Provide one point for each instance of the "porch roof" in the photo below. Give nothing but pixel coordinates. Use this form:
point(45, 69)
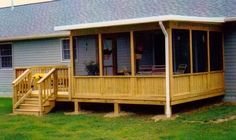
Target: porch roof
point(143, 20)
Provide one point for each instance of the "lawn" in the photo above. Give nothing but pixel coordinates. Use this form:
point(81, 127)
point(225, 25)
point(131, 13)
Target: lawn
point(196, 125)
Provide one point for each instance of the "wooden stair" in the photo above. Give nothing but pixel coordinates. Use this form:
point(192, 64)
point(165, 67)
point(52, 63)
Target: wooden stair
point(30, 106)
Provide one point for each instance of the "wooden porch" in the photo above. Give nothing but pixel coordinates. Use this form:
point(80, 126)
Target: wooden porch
point(137, 84)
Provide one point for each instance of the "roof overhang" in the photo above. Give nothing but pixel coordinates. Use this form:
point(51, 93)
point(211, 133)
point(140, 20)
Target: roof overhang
point(31, 37)
point(140, 21)
point(230, 19)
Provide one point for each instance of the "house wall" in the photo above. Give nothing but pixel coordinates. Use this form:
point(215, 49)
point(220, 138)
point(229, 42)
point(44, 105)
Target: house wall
point(230, 61)
point(30, 53)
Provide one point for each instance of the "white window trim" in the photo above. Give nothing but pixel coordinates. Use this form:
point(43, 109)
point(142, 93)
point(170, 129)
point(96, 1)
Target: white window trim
point(10, 68)
point(61, 51)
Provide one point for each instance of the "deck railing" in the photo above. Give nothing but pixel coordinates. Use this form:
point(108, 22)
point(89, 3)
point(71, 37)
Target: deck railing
point(21, 87)
point(47, 87)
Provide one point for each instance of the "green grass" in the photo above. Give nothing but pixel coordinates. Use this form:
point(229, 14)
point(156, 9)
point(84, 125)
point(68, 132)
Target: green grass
point(135, 127)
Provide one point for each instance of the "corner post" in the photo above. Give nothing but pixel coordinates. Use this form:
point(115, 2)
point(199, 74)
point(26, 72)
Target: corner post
point(168, 111)
point(71, 67)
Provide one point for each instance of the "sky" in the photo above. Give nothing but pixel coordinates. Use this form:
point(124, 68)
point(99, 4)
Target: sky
point(7, 3)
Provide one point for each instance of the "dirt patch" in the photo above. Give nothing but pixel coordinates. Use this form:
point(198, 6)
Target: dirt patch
point(163, 118)
point(78, 113)
point(230, 118)
point(217, 121)
point(113, 115)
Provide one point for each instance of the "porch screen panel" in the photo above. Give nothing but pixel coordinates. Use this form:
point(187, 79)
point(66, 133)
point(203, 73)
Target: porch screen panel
point(216, 51)
point(123, 53)
point(180, 48)
point(199, 48)
point(86, 55)
point(150, 52)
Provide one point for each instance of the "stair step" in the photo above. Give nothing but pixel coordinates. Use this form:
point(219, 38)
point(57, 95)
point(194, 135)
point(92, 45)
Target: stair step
point(26, 113)
point(27, 110)
point(32, 105)
point(32, 99)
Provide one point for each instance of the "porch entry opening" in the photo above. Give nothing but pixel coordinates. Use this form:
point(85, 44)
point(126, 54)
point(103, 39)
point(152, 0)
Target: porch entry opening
point(150, 52)
point(86, 61)
point(116, 54)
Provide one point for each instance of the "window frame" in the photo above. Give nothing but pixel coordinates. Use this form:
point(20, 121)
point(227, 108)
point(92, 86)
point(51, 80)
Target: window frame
point(7, 68)
point(62, 50)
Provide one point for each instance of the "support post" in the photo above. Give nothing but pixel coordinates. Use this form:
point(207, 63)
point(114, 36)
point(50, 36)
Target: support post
point(168, 111)
point(100, 54)
point(40, 100)
point(132, 53)
point(77, 106)
point(71, 67)
point(117, 108)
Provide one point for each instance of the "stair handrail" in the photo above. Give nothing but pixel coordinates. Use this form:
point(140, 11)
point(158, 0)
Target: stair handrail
point(25, 92)
point(43, 84)
point(21, 77)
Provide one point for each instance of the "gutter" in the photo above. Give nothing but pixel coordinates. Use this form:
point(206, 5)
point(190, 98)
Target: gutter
point(168, 105)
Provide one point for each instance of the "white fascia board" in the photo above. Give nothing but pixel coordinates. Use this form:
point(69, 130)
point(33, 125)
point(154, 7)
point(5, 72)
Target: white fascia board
point(230, 19)
point(140, 21)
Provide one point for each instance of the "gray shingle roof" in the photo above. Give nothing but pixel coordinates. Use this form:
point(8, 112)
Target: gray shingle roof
point(40, 19)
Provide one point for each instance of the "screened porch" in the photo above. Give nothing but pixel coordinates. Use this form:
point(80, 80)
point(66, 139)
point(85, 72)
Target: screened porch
point(127, 64)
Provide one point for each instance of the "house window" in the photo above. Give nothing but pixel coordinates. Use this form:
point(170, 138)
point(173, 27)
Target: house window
point(65, 50)
point(216, 51)
point(181, 54)
point(5, 56)
point(199, 49)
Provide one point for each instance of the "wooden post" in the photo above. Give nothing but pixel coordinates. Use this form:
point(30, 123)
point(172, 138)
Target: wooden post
point(133, 79)
point(71, 69)
point(76, 106)
point(40, 101)
point(132, 53)
point(117, 108)
point(100, 54)
point(208, 60)
point(191, 60)
point(69, 82)
point(55, 84)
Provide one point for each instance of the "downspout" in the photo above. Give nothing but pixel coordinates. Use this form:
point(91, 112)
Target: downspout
point(168, 106)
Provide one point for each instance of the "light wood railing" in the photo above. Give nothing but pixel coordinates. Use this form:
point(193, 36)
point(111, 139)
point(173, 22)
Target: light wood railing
point(56, 79)
point(21, 87)
point(47, 87)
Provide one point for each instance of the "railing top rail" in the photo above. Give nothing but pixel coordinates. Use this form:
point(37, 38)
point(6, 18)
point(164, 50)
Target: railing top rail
point(46, 76)
point(22, 76)
point(51, 66)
